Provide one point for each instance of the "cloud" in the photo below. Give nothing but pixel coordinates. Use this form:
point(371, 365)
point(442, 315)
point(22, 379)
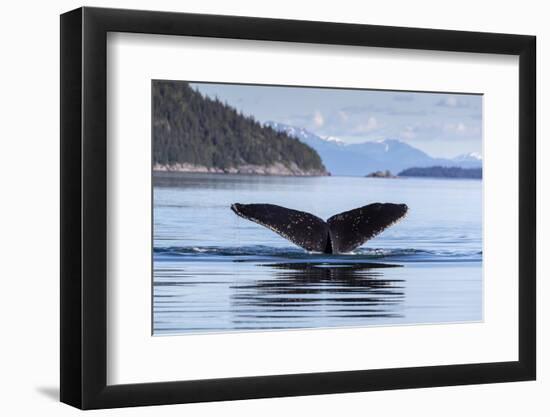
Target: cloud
point(453, 102)
point(408, 133)
point(411, 112)
point(344, 117)
point(318, 119)
point(459, 128)
point(373, 108)
point(386, 110)
point(365, 127)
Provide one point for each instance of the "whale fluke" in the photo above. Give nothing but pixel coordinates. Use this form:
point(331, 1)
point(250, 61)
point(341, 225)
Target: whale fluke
point(350, 229)
point(341, 233)
point(304, 229)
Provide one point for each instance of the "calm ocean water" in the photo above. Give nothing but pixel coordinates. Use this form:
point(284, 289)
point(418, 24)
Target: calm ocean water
point(216, 272)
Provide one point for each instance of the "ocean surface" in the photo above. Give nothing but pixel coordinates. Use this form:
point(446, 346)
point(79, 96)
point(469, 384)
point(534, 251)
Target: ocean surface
point(217, 272)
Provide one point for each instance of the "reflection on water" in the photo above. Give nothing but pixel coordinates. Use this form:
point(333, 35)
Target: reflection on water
point(298, 290)
point(215, 272)
point(290, 294)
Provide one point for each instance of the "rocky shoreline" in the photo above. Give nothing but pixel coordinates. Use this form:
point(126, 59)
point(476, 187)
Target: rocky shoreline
point(248, 169)
point(381, 174)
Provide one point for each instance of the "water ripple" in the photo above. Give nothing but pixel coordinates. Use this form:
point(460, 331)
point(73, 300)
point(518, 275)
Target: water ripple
point(255, 252)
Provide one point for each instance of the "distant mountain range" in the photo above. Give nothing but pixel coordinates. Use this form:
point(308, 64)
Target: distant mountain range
point(363, 158)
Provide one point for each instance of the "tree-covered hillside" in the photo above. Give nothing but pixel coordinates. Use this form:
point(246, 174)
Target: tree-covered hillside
point(192, 130)
point(443, 172)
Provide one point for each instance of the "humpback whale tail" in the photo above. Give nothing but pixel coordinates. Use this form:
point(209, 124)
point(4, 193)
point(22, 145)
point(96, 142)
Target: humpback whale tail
point(341, 233)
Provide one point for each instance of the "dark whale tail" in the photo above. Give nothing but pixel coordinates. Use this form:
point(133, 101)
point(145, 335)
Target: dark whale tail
point(341, 233)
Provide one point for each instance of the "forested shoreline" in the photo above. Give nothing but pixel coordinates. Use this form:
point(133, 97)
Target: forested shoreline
point(442, 172)
point(194, 133)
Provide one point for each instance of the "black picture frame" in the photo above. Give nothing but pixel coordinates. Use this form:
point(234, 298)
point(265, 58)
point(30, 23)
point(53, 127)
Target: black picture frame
point(84, 207)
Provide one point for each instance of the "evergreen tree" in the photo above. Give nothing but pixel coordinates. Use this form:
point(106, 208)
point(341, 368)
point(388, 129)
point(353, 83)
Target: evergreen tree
point(191, 128)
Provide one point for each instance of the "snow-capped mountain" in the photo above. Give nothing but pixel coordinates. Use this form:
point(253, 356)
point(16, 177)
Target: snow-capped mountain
point(302, 134)
point(332, 139)
point(472, 156)
point(363, 158)
point(469, 160)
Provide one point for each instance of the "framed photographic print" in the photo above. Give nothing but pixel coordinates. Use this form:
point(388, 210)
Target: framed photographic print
point(257, 207)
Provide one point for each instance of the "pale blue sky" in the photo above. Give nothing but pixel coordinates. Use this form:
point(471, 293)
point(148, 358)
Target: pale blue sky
point(443, 125)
